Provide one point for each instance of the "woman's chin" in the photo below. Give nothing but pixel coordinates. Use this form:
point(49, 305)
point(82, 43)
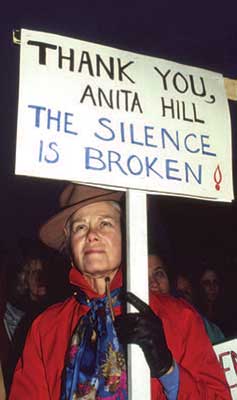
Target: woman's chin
point(154, 289)
point(99, 272)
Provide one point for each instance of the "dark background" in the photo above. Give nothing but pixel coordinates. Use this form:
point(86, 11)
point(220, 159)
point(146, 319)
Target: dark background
point(202, 34)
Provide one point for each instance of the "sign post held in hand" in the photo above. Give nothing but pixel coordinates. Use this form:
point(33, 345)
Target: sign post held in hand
point(137, 282)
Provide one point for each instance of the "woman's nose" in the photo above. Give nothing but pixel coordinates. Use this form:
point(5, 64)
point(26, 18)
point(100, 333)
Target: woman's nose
point(92, 234)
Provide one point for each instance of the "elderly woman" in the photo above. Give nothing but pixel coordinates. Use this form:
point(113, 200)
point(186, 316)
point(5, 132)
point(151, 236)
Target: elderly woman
point(74, 349)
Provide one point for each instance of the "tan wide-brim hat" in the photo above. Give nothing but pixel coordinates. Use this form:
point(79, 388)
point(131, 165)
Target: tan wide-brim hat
point(72, 199)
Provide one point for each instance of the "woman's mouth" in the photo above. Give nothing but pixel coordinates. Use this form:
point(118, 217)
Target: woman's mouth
point(93, 251)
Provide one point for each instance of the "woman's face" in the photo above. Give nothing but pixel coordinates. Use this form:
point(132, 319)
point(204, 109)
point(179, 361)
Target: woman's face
point(184, 287)
point(158, 278)
point(36, 280)
point(95, 238)
point(210, 285)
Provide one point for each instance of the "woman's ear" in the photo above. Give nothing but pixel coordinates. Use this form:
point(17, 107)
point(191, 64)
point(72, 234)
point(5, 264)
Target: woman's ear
point(66, 243)
point(66, 233)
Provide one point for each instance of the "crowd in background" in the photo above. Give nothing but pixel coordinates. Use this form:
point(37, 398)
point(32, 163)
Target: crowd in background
point(32, 277)
point(204, 289)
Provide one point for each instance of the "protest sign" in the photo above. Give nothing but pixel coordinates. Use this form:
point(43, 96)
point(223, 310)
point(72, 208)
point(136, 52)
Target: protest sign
point(227, 355)
point(100, 115)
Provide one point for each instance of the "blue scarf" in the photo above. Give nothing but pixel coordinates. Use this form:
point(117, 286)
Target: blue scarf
point(95, 366)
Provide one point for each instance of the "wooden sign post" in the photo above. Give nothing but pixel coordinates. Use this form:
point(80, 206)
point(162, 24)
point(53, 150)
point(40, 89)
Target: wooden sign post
point(137, 282)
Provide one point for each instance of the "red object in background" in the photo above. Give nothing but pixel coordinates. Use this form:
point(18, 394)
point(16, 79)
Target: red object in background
point(217, 177)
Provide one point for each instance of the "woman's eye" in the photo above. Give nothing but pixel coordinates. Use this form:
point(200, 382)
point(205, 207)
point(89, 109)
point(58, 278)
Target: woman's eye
point(106, 224)
point(159, 274)
point(78, 228)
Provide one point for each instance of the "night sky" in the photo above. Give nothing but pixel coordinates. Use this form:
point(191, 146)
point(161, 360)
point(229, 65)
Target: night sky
point(202, 34)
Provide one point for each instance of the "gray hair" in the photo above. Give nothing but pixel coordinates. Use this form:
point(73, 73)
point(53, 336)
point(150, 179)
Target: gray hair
point(66, 246)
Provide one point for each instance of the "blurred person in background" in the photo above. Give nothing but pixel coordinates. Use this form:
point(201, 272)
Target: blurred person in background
point(2, 385)
point(212, 299)
point(4, 343)
point(180, 285)
point(158, 275)
point(184, 286)
point(29, 291)
point(210, 292)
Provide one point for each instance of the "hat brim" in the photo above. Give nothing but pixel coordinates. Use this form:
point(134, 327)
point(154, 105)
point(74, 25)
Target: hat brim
point(52, 232)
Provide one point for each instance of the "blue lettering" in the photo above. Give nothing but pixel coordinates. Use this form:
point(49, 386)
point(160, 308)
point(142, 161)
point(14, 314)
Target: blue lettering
point(122, 132)
point(57, 119)
point(169, 170)
point(38, 110)
point(140, 166)
point(68, 122)
point(147, 136)
point(99, 164)
point(112, 134)
point(52, 146)
point(206, 145)
point(41, 150)
point(149, 166)
point(114, 158)
point(186, 144)
point(133, 141)
point(175, 142)
point(54, 152)
point(188, 170)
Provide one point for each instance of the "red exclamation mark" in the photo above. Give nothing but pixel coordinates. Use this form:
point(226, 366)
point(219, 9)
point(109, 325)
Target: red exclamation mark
point(217, 177)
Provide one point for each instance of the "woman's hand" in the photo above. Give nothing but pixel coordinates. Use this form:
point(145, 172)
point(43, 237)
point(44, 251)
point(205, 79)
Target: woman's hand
point(146, 330)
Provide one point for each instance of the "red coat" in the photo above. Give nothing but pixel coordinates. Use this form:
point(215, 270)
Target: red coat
point(38, 373)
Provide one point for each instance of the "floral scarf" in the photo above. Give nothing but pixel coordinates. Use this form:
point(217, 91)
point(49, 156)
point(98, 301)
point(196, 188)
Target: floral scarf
point(95, 366)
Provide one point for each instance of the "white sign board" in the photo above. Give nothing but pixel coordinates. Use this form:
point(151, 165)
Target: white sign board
point(100, 115)
point(227, 355)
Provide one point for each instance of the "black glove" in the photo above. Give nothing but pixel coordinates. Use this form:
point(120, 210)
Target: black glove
point(146, 330)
